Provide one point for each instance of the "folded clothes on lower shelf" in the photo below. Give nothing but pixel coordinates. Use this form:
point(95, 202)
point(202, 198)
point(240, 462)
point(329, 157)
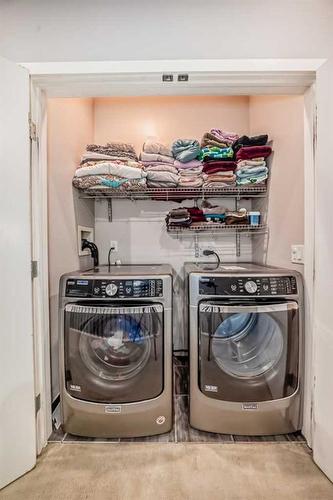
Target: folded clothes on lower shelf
point(179, 217)
point(208, 216)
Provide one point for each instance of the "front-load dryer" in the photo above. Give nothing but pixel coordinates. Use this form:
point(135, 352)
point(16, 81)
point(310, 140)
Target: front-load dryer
point(246, 348)
point(116, 351)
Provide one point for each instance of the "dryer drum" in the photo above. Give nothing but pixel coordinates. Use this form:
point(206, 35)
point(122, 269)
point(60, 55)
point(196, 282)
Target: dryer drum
point(119, 349)
point(247, 345)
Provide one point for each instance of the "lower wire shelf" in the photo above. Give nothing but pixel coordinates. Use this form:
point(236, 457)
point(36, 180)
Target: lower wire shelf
point(215, 227)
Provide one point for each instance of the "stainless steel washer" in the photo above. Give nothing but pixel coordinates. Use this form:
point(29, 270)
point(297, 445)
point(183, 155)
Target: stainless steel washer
point(116, 351)
point(246, 348)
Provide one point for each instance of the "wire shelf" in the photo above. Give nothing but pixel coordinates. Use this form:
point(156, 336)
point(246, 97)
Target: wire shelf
point(165, 194)
point(215, 227)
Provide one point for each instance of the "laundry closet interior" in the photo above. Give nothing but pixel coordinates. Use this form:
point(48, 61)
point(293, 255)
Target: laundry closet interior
point(136, 227)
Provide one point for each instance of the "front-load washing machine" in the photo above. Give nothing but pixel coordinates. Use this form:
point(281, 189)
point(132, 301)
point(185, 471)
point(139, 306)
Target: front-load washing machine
point(116, 351)
point(246, 348)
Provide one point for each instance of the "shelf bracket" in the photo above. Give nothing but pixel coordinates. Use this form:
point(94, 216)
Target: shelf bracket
point(196, 246)
point(238, 244)
point(109, 209)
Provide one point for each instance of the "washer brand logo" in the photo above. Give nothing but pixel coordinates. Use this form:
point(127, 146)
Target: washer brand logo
point(250, 406)
point(76, 388)
point(160, 420)
point(112, 409)
point(211, 388)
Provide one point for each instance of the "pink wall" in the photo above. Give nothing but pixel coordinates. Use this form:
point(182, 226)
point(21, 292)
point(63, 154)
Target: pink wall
point(70, 128)
point(135, 118)
point(281, 117)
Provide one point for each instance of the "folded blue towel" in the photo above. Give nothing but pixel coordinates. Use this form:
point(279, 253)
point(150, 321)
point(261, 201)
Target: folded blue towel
point(185, 150)
point(251, 172)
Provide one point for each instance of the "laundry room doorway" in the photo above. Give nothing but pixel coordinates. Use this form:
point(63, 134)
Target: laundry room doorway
point(107, 80)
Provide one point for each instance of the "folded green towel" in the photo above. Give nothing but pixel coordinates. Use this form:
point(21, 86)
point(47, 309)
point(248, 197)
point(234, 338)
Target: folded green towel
point(215, 153)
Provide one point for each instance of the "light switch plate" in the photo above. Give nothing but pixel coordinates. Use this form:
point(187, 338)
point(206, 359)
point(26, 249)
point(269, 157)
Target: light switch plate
point(297, 254)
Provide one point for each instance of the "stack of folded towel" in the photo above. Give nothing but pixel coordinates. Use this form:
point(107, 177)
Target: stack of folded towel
point(184, 217)
point(159, 165)
point(251, 154)
point(233, 217)
point(178, 217)
point(114, 165)
point(219, 174)
point(216, 145)
point(214, 213)
point(190, 173)
point(217, 156)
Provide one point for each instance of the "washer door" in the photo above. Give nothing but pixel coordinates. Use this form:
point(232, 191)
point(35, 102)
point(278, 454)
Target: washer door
point(118, 349)
point(114, 354)
point(248, 353)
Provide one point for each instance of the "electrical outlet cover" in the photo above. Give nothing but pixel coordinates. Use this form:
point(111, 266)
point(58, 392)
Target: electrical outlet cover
point(297, 254)
point(114, 245)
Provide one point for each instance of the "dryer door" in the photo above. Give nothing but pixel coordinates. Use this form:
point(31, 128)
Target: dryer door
point(248, 352)
point(113, 354)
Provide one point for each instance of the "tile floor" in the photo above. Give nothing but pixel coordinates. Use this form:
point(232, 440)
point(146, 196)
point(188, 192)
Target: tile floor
point(181, 432)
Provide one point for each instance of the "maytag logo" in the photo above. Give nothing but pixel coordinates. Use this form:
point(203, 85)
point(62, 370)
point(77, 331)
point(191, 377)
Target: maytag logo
point(211, 388)
point(112, 409)
point(250, 406)
point(76, 388)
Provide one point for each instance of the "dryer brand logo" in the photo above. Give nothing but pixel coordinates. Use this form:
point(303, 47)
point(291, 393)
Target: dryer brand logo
point(211, 388)
point(112, 409)
point(160, 420)
point(250, 406)
point(76, 388)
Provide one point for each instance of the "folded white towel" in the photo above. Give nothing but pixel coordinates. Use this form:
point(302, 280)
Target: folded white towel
point(111, 169)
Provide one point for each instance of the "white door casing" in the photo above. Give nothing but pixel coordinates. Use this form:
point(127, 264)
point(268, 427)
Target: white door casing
point(323, 309)
point(17, 401)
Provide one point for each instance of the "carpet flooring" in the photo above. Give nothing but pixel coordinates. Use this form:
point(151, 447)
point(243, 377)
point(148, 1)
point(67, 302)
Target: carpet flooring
point(173, 471)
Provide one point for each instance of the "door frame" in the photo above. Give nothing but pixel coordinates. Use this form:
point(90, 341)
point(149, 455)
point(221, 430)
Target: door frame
point(224, 77)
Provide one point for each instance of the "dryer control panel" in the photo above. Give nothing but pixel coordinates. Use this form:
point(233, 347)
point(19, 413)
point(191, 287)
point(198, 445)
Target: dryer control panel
point(246, 285)
point(114, 288)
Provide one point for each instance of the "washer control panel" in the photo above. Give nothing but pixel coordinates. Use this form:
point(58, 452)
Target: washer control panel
point(117, 288)
point(242, 285)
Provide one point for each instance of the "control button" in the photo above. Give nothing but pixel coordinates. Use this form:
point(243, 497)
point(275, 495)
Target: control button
point(234, 288)
point(96, 290)
point(265, 288)
point(251, 286)
point(111, 289)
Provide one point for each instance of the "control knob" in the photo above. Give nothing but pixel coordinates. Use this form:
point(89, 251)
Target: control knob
point(111, 289)
point(251, 286)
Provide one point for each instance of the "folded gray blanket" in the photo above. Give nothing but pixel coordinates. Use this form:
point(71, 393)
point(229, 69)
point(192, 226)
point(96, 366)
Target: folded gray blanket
point(162, 167)
point(121, 149)
point(185, 150)
point(159, 184)
point(155, 157)
point(159, 176)
point(156, 148)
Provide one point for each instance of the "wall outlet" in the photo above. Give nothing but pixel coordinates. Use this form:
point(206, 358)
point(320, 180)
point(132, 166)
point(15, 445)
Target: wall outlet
point(114, 245)
point(297, 254)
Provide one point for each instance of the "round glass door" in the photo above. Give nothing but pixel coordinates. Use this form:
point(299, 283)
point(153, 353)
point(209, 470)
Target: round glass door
point(120, 349)
point(247, 345)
